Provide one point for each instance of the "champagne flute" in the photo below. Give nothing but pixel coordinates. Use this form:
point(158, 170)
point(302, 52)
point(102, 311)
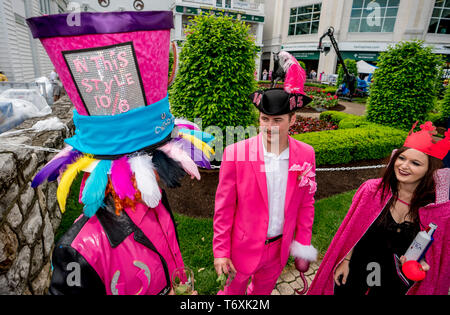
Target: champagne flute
point(183, 281)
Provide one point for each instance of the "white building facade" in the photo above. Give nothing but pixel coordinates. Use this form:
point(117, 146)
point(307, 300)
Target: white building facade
point(249, 11)
point(23, 58)
point(363, 28)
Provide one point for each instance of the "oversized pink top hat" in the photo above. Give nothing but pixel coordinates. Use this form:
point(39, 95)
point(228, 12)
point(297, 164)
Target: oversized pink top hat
point(114, 67)
point(111, 53)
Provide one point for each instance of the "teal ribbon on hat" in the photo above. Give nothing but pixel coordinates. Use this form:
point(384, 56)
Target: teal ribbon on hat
point(123, 133)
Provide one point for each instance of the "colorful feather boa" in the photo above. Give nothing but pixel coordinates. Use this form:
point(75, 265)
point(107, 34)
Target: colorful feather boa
point(67, 178)
point(94, 189)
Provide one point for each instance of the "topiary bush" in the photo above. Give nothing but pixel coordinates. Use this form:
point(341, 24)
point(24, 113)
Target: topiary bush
point(353, 144)
point(216, 73)
point(405, 85)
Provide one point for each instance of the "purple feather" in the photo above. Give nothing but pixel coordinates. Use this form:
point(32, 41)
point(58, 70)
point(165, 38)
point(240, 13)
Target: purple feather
point(196, 155)
point(51, 170)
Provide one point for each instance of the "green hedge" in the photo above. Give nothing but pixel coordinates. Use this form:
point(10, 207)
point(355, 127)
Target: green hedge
point(445, 105)
point(335, 116)
point(369, 141)
point(405, 85)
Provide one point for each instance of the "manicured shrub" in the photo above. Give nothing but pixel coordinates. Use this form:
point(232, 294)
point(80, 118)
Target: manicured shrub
point(335, 116)
point(355, 144)
point(445, 105)
point(216, 73)
point(405, 85)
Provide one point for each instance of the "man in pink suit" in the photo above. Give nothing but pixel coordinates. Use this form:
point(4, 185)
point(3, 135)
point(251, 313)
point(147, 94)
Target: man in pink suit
point(264, 207)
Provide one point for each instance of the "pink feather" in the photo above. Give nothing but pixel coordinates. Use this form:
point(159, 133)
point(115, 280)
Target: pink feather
point(64, 152)
point(295, 79)
point(121, 178)
point(179, 155)
point(180, 121)
point(186, 126)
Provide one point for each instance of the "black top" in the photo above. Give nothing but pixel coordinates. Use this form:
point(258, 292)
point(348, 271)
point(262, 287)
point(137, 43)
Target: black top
point(372, 267)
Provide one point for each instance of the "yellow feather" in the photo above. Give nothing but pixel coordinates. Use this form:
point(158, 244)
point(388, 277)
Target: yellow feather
point(67, 178)
point(198, 144)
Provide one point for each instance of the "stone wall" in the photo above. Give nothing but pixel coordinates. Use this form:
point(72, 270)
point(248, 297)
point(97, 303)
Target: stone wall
point(29, 216)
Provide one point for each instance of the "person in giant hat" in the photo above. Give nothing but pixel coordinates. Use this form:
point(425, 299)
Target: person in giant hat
point(114, 67)
point(264, 206)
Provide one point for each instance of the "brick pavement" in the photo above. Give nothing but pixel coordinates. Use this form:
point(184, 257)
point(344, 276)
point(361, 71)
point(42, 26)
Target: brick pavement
point(290, 279)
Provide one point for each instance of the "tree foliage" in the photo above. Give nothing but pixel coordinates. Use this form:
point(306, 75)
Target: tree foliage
point(405, 85)
point(446, 104)
point(216, 73)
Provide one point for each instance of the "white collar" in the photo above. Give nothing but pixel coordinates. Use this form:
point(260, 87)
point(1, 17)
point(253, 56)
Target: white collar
point(283, 155)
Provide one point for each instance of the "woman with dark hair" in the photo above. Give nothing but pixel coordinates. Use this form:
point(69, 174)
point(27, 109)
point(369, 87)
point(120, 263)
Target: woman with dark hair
point(366, 254)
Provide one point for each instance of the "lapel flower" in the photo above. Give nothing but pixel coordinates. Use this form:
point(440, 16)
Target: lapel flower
point(306, 176)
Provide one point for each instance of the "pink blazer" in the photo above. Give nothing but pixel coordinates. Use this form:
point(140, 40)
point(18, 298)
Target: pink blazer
point(241, 207)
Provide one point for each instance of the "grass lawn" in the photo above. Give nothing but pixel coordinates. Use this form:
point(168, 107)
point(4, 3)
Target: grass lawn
point(196, 234)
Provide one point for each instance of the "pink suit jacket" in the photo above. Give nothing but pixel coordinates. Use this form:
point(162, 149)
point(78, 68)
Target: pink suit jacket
point(241, 207)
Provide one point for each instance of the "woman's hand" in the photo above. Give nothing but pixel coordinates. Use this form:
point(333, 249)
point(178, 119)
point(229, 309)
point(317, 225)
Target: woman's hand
point(424, 264)
point(342, 270)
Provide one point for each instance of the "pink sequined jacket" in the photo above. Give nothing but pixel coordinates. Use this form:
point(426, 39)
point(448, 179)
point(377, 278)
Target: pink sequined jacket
point(365, 209)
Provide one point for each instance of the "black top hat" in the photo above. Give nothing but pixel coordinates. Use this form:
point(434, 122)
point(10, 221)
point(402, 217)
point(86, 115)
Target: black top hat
point(278, 102)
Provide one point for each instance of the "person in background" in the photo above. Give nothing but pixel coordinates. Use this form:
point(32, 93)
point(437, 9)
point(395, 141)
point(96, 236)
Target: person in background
point(264, 75)
point(264, 205)
point(54, 79)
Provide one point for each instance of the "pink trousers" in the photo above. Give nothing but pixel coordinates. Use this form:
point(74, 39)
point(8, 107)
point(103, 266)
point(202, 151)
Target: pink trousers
point(264, 278)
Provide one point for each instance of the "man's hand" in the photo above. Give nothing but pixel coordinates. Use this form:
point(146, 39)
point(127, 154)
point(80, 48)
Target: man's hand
point(223, 265)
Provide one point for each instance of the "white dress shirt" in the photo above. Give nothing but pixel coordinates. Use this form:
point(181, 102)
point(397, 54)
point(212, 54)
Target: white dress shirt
point(276, 167)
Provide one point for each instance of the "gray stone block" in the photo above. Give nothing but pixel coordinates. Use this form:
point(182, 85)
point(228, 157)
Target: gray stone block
point(48, 235)
point(9, 246)
point(32, 224)
point(41, 283)
point(7, 200)
point(14, 217)
point(18, 274)
point(26, 198)
point(37, 259)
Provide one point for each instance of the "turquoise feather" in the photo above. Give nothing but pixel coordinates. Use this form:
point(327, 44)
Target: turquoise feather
point(94, 190)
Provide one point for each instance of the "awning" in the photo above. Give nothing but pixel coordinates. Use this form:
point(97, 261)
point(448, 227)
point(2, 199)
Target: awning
point(364, 67)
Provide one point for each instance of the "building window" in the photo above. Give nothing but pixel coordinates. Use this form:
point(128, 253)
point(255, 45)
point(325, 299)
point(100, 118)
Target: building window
point(373, 16)
point(220, 3)
point(304, 20)
point(440, 20)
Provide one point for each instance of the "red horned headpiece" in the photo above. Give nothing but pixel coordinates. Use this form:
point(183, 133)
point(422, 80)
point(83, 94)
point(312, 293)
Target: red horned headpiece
point(423, 141)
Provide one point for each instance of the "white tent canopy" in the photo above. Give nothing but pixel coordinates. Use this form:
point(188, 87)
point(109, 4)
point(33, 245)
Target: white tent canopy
point(364, 67)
